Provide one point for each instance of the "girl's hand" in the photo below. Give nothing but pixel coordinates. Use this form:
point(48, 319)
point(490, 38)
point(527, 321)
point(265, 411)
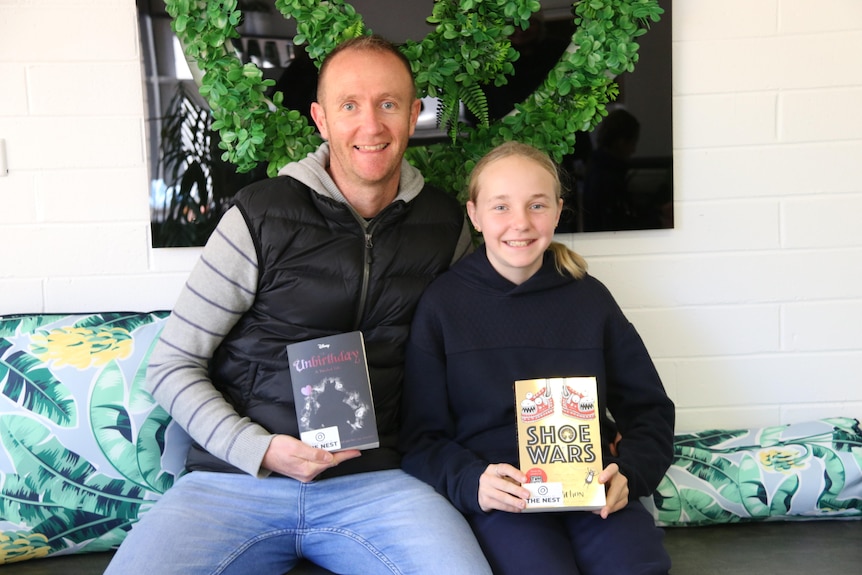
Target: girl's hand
point(616, 490)
point(500, 488)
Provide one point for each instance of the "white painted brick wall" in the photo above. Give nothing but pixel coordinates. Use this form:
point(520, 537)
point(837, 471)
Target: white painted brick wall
point(751, 306)
point(13, 96)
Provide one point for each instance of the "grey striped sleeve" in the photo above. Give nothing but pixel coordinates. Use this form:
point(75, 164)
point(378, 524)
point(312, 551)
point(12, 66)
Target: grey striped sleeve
point(220, 288)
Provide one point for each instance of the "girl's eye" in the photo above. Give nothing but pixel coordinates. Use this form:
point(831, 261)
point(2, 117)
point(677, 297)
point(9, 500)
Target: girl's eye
point(498, 208)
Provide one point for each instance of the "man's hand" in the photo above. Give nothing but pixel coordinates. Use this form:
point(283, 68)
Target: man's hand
point(616, 490)
point(500, 488)
point(291, 457)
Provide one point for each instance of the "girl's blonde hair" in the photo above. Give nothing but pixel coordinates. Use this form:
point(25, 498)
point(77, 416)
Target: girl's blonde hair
point(565, 260)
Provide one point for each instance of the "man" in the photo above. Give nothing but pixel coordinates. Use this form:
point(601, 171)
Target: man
point(344, 239)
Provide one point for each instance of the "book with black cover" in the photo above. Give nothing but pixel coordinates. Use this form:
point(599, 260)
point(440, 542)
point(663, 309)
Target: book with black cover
point(332, 392)
point(559, 443)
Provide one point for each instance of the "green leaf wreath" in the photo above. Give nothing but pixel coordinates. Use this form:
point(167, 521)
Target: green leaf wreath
point(469, 47)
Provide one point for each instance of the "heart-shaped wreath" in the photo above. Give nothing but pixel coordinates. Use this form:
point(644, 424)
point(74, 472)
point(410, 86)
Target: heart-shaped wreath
point(468, 48)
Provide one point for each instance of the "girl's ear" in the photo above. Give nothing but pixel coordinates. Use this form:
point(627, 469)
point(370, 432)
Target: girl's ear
point(471, 213)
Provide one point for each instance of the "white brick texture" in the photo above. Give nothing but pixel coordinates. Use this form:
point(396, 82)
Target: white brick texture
point(751, 306)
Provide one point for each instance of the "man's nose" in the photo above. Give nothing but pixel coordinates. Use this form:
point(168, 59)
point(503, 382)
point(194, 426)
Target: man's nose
point(370, 120)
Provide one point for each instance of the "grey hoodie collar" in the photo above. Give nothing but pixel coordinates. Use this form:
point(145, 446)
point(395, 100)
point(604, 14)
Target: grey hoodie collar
point(311, 171)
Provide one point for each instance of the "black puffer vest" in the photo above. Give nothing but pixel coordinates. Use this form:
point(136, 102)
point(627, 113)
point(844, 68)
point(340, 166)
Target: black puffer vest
point(323, 271)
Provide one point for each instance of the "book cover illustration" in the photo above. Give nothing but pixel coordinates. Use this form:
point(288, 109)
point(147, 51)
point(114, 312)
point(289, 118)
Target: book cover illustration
point(332, 392)
point(559, 443)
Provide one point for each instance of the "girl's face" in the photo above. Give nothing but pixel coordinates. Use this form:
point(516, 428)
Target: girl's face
point(516, 210)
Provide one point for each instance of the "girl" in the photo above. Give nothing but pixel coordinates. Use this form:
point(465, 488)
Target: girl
point(521, 307)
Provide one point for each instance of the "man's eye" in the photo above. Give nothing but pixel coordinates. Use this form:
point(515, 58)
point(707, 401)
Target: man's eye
point(498, 208)
point(388, 105)
point(349, 107)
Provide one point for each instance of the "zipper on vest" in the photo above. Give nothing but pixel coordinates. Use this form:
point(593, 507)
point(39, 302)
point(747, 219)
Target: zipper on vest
point(366, 275)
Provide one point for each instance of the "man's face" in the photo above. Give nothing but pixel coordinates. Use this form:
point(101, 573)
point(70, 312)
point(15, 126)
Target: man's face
point(367, 111)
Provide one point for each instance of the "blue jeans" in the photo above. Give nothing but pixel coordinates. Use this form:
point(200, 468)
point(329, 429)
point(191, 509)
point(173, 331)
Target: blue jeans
point(383, 522)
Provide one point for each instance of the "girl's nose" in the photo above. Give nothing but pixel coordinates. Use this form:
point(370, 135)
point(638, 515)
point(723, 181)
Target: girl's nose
point(520, 219)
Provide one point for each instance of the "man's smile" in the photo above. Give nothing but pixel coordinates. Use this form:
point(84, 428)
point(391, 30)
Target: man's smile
point(374, 148)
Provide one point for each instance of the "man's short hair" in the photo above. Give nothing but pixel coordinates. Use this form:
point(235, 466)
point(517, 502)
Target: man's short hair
point(372, 43)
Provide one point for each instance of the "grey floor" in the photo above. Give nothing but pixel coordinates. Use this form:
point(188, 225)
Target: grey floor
point(785, 548)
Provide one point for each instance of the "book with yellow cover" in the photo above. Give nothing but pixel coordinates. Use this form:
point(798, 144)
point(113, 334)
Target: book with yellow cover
point(559, 443)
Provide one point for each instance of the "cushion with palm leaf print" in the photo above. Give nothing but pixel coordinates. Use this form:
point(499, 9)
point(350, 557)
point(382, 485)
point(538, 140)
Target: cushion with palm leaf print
point(84, 449)
point(810, 470)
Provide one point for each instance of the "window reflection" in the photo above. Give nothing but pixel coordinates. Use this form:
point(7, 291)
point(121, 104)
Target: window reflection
point(607, 190)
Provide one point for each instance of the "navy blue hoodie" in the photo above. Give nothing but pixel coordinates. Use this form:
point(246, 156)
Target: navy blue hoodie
point(475, 333)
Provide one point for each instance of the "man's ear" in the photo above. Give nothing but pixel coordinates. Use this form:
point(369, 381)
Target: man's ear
point(414, 114)
point(319, 117)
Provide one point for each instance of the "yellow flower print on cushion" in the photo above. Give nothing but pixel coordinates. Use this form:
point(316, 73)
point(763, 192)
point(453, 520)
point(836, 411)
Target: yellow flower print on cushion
point(82, 347)
point(21, 545)
point(781, 460)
